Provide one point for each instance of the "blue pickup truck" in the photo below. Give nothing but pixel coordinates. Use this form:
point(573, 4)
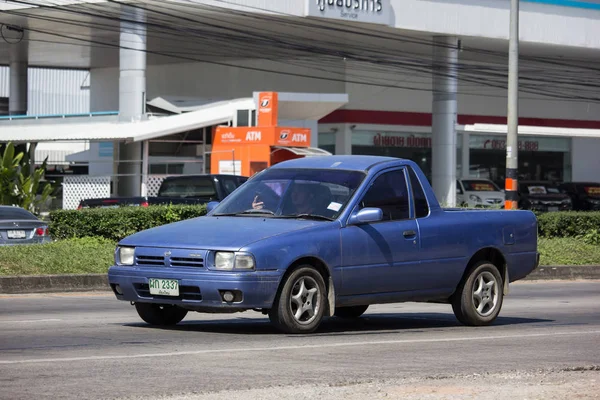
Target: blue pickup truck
point(327, 236)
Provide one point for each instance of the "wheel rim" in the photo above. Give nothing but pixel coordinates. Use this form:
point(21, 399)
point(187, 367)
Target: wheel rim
point(485, 294)
point(305, 300)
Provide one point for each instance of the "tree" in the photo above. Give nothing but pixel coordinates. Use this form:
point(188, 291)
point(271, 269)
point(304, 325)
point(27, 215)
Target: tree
point(19, 182)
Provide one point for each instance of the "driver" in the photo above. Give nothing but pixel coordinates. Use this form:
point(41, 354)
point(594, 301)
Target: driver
point(301, 200)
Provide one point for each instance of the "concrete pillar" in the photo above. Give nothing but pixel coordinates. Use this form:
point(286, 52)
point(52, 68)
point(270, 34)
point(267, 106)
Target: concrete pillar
point(465, 155)
point(132, 96)
point(17, 103)
point(445, 57)
point(343, 140)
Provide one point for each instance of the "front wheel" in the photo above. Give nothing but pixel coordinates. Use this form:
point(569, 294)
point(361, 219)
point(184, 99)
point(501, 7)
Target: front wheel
point(300, 305)
point(160, 314)
point(478, 298)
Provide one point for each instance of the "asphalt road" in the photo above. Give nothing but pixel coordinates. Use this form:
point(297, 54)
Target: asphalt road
point(80, 346)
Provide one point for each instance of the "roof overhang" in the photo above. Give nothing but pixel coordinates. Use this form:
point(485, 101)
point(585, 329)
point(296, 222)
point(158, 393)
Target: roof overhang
point(292, 106)
point(303, 151)
point(153, 128)
point(307, 106)
point(531, 130)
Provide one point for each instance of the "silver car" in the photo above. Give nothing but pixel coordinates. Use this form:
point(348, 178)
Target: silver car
point(19, 226)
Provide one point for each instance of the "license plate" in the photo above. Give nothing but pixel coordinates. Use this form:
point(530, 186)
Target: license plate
point(552, 208)
point(16, 234)
point(164, 287)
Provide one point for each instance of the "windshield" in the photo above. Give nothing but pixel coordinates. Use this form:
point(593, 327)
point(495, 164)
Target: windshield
point(15, 213)
point(539, 188)
point(293, 192)
point(480, 186)
point(188, 187)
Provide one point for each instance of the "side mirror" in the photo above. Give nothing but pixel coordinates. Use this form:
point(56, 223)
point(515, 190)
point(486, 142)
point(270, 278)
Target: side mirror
point(366, 215)
point(211, 206)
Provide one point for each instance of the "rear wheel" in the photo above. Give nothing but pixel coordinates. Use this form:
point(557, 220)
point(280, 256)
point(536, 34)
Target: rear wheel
point(350, 312)
point(300, 305)
point(478, 298)
point(160, 314)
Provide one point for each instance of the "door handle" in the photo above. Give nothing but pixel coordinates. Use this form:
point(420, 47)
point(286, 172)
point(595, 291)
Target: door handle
point(409, 234)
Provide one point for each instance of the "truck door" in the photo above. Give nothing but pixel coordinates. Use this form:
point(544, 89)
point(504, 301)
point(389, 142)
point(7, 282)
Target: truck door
point(382, 257)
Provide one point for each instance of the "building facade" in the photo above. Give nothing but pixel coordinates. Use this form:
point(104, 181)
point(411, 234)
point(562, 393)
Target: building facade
point(426, 80)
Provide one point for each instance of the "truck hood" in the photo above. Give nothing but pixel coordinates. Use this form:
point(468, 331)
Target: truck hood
point(211, 233)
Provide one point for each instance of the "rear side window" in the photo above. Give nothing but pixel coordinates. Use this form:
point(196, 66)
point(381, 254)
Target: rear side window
point(421, 206)
point(10, 213)
point(188, 187)
point(229, 184)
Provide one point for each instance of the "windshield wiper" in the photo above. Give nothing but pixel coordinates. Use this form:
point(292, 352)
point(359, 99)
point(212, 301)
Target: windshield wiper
point(247, 212)
point(309, 216)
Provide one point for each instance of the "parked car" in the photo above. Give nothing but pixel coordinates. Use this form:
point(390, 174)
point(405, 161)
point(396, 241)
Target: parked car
point(475, 192)
point(542, 196)
point(189, 189)
point(584, 195)
point(300, 255)
point(19, 226)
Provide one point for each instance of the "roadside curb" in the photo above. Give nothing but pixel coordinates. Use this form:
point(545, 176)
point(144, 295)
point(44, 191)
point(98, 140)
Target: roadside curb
point(565, 272)
point(99, 282)
point(53, 283)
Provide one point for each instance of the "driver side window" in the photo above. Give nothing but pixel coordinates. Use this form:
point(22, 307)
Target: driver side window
point(389, 192)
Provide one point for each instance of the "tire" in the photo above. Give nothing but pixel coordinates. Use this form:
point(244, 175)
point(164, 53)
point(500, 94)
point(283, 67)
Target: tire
point(301, 303)
point(160, 314)
point(350, 312)
point(467, 302)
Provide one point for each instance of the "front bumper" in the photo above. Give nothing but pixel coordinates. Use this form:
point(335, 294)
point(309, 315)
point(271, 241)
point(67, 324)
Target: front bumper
point(551, 207)
point(198, 290)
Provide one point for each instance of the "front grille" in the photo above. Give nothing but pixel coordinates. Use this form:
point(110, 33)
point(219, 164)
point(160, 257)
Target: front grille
point(185, 292)
point(150, 260)
point(494, 201)
point(187, 262)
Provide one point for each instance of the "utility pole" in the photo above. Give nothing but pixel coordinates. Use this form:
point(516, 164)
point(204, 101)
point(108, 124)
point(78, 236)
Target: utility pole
point(512, 142)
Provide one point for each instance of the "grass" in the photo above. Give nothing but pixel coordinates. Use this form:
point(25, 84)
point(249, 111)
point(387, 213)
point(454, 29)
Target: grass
point(95, 255)
point(72, 256)
point(568, 251)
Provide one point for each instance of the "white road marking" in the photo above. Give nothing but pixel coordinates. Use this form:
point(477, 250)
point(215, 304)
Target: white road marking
point(30, 320)
point(298, 347)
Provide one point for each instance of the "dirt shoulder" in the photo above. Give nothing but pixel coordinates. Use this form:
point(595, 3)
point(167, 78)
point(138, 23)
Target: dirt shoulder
point(574, 383)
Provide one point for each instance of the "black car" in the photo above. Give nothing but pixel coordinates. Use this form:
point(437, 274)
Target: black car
point(184, 189)
point(584, 195)
point(543, 196)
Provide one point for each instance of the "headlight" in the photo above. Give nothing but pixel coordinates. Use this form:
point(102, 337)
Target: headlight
point(126, 255)
point(475, 198)
point(228, 261)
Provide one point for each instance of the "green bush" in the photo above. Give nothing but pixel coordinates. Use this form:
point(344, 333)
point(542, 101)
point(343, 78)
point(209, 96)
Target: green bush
point(574, 224)
point(71, 256)
point(116, 223)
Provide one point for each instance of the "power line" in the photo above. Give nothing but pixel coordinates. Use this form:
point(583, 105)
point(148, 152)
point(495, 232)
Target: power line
point(382, 61)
